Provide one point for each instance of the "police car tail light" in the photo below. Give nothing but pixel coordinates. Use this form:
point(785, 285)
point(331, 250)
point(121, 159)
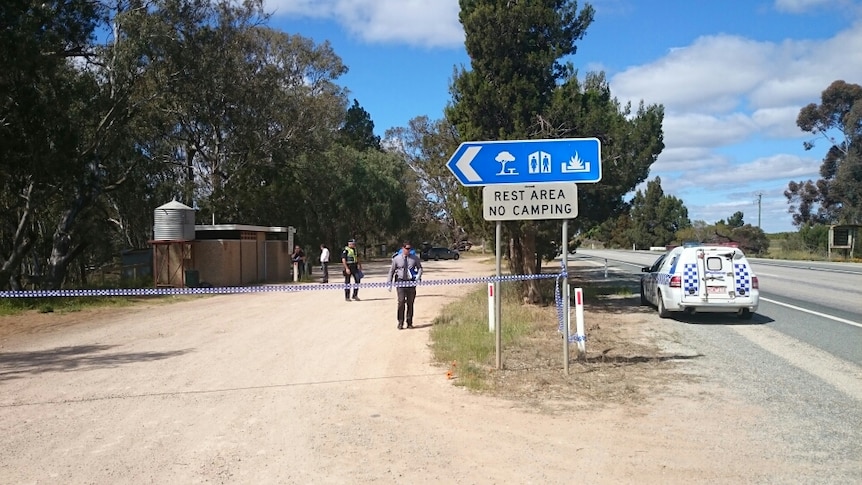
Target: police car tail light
point(676, 282)
point(754, 283)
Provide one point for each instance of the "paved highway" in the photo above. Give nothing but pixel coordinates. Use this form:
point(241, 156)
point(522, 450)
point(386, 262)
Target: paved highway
point(819, 303)
point(796, 365)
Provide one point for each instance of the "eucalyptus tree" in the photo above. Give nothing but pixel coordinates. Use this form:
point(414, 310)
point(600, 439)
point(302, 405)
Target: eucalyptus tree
point(243, 102)
point(194, 99)
point(750, 239)
point(36, 84)
point(68, 111)
point(436, 199)
point(380, 208)
point(835, 198)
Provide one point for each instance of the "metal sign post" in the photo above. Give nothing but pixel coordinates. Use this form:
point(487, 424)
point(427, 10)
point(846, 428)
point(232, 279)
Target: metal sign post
point(505, 168)
point(565, 289)
point(498, 313)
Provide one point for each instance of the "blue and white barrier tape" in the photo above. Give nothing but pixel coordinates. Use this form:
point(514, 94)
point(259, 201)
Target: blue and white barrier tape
point(558, 300)
point(303, 287)
point(259, 289)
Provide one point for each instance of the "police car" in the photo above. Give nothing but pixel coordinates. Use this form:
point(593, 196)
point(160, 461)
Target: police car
point(698, 278)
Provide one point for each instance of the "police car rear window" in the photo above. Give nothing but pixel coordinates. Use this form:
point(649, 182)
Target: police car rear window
point(713, 264)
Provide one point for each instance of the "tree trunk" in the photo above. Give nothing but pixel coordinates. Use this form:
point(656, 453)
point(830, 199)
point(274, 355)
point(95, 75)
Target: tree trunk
point(22, 242)
point(522, 256)
point(64, 250)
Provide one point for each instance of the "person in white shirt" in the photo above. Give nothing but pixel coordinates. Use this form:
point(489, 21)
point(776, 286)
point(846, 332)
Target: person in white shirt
point(324, 262)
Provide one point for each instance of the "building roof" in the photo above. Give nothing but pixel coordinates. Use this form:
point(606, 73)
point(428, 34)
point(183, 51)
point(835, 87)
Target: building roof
point(174, 205)
point(238, 227)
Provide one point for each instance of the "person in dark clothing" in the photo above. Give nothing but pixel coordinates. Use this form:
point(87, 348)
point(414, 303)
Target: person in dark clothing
point(406, 268)
point(298, 257)
point(352, 268)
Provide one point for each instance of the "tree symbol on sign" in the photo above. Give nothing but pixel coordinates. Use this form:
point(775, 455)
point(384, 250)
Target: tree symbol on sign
point(503, 158)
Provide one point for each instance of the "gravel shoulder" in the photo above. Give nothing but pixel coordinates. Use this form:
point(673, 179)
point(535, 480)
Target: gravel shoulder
point(303, 387)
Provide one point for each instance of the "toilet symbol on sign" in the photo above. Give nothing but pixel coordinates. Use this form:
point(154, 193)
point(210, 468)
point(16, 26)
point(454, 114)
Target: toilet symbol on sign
point(539, 162)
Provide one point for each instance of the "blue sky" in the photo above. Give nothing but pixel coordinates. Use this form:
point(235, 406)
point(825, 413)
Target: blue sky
point(731, 74)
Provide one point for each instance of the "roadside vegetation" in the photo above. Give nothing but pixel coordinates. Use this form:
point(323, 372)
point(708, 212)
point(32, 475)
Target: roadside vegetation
point(460, 337)
point(18, 306)
point(15, 306)
point(461, 340)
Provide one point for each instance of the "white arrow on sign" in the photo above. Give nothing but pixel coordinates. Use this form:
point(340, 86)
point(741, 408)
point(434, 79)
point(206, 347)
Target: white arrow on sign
point(464, 162)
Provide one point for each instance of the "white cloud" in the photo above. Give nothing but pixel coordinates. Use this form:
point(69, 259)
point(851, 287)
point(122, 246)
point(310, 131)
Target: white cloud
point(707, 76)
point(712, 187)
point(800, 70)
point(415, 22)
point(799, 6)
point(723, 91)
point(733, 187)
point(778, 122)
point(680, 159)
point(704, 130)
point(781, 167)
point(769, 207)
point(697, 130)
point(722, 74)
point(717, 172)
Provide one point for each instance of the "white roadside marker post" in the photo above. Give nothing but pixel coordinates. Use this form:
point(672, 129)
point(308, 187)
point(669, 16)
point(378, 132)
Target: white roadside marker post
point(580, 334)
point(491, 313)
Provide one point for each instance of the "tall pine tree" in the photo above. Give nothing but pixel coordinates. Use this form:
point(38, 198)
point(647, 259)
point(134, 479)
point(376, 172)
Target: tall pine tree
point(520, 86)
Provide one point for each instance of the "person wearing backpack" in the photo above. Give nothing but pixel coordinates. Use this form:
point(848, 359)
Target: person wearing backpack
point(406, 268)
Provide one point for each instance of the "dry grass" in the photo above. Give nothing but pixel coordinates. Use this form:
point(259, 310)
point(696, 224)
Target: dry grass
point(625, 361)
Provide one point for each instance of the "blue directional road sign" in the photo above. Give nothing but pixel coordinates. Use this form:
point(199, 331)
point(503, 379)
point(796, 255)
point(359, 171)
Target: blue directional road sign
point(527, 161)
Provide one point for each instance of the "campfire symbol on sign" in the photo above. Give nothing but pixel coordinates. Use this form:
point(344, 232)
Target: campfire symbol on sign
point(575, 165)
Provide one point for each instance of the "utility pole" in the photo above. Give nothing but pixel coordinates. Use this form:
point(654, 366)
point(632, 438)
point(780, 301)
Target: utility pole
point(759, 199)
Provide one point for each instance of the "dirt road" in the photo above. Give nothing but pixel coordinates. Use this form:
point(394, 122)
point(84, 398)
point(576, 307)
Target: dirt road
point(307, 388)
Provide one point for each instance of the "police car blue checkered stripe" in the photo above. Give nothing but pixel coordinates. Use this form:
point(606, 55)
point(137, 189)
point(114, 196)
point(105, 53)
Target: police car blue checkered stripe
point(689, 276)
point(742, 280)
point(662, 278)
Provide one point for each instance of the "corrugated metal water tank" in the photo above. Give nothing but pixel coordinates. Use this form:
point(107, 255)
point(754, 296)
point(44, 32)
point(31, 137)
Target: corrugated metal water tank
point(174, 221)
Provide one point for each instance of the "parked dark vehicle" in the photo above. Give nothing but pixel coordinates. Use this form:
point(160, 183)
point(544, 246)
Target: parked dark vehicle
point(462, 246)
point(437, 253)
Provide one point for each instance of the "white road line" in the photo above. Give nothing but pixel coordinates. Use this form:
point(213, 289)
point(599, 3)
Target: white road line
point(824, 315)
point(844, 376)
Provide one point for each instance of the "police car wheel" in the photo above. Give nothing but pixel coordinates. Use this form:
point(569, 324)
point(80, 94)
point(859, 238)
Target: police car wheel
point(744, 314)
point(662, 311)
point(644, 301)
point(457, 256)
